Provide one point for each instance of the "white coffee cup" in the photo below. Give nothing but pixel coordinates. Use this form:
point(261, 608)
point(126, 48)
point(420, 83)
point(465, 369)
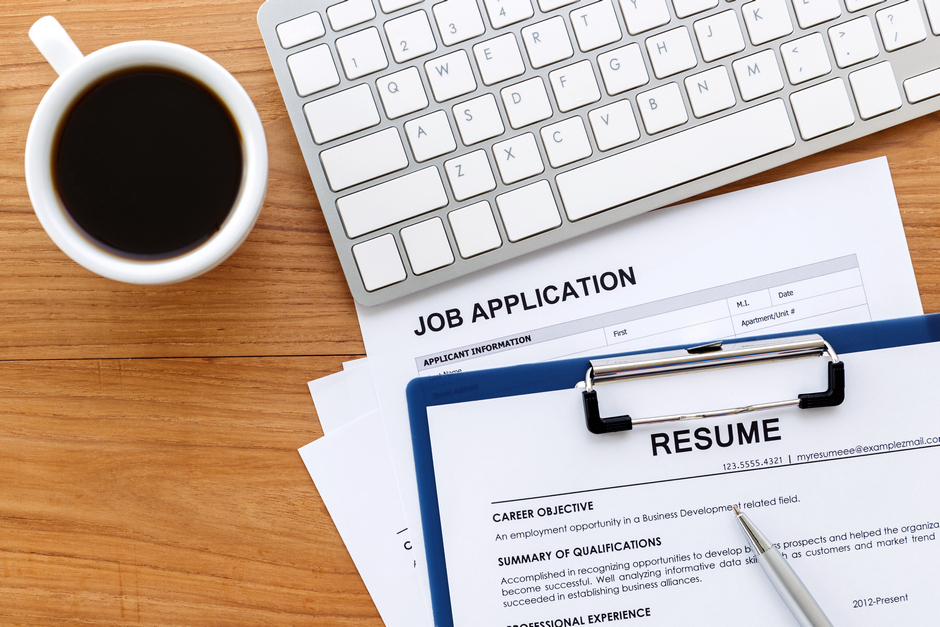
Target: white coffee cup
point(76, 74)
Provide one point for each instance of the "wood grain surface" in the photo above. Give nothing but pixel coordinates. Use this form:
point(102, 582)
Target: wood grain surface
point(148, 435)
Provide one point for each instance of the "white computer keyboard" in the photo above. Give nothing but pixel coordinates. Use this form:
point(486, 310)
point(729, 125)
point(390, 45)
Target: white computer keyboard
point(446, 136)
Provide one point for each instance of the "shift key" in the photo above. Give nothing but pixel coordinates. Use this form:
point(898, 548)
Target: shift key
point(364, 159)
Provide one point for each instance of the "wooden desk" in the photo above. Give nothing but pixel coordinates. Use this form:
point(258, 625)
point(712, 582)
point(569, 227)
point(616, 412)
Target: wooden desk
point(148, 436)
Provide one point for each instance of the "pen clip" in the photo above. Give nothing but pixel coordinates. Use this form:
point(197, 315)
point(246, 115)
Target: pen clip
point(709, 356)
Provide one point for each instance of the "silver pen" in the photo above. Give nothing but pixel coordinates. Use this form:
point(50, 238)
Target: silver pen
point(785, 581)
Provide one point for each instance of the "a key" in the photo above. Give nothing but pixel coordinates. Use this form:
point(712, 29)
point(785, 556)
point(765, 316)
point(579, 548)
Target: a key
point(566, 142)
point(401, 93)
point(574, 86)
point(528, 210)
point(757, 75)
point(671, 52)
point(623, 69)
point(853, 42)
point(547, 42)
point(710, 91)
point(393, 201)
point(690, 154)
point(518, 158)
point(364, 159)
point(822, 108)
point(430, 136)
point(450, 76)
point(499, 59)
point(361, 53)
point(662, 108)
point(526, 102)
point(426, 246)
point(341, 114)
point(805, 58)
point(470, 175)
point(766, 20)
point(349, 13)
point(458, 20)
point(410, 36)
point(505, 12)
point(614, 125)
point(478, 119)
point(595, 25)
point(719, 35)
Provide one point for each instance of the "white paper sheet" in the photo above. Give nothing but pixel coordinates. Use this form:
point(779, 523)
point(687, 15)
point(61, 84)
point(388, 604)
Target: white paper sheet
point(822, 249)
point(544, 521)
point(363, 500)
point(344, 396)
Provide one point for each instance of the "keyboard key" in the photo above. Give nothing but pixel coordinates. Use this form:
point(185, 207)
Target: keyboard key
point(300, 30)
point(685, 8)
point(623, 69)
point(549, 5)
point(876, 90)
point(390, 6)
point(574, 86)
point(341, 114)
point(671, 52)
point(458, 20)
point(614, 125)
point(410, 36)
point(430, 136)
point(393, 201)
point(499, 59)
point(853, 42)
point(901, 25)
point(595, 25)
point(361, 53)
point(691, 154)
point(644, 15)
point(758, 75)
point(349, 13)
point(313, 70)
point(470, 175)
point(450, 76)
point(426, 246)
point(923, 86)
point(710, 91)
point(858, 5)
point(566, 142)
point(719, 35)
point(526, 102)
point(547, 42)
point(766, 20)
point(478, 119)
point(474, 229)
point(933, 15)
point(518, 158)
point(822, 108)
point(662, 108)
point(806, 58)
point(364, 159)
point(528, 210)
point(506, 12)
point(379, 262)
point(813, 12)
point(401, 93)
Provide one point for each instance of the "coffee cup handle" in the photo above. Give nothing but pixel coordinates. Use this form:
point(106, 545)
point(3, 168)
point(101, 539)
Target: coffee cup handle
point(54, 44)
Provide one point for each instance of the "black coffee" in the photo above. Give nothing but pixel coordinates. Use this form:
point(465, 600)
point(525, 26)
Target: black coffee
point(148, 162)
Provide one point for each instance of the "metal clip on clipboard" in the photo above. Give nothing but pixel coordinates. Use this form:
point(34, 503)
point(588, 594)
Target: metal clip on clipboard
point(708, 356)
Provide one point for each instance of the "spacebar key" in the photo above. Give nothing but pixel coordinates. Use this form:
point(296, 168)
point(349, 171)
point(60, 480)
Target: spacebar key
point(676, 159)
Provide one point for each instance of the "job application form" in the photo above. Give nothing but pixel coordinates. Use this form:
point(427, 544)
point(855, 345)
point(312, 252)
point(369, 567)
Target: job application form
point(545, 523)
point(821, 249)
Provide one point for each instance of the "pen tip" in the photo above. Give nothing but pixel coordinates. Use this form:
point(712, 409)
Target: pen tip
point(737, 512)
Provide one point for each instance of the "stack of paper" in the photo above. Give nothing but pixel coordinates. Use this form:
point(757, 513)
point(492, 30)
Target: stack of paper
point(819, 250)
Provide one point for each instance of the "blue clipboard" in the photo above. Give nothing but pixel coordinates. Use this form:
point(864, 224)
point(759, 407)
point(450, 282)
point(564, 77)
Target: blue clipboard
point(536, 378)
